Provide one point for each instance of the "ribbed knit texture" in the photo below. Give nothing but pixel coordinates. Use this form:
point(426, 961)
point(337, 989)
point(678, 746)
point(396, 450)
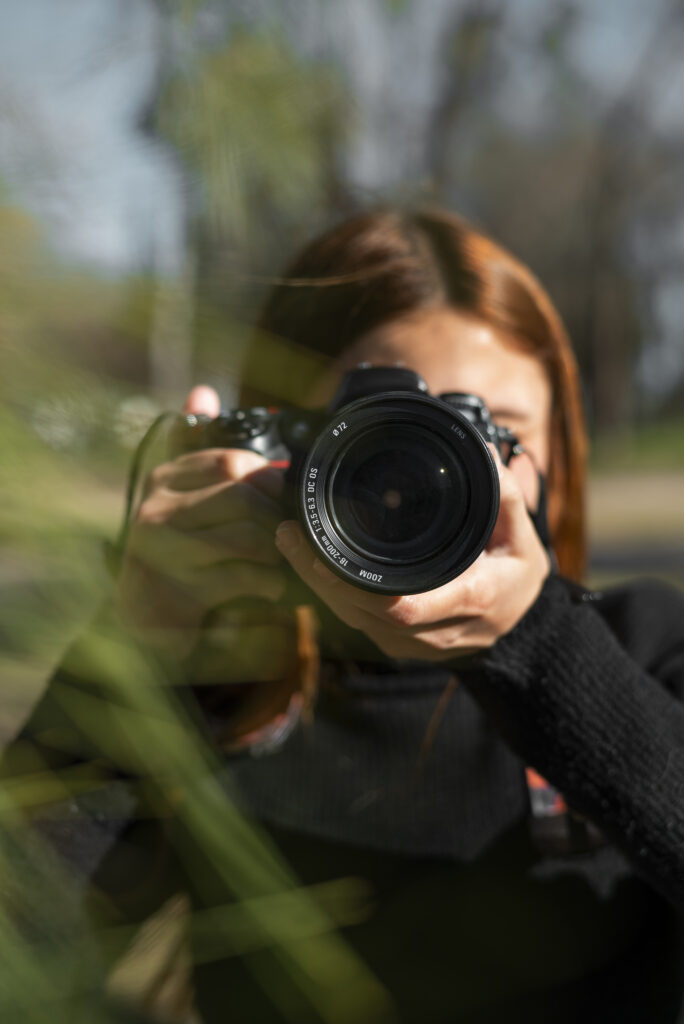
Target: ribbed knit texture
point(365, 771)
point(588, 691)
point(468, 921)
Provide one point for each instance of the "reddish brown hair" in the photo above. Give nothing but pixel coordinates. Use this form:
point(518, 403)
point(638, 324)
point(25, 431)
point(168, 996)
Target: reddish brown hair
point(383, 265)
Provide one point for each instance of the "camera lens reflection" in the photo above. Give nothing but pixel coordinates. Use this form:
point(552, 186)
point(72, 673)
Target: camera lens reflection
point(398, 490)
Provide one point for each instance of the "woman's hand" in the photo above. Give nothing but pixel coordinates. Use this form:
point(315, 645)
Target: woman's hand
point(204, 536)
point(466, 615)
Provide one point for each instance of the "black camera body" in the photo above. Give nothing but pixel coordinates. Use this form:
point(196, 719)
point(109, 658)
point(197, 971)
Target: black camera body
point(396, 489)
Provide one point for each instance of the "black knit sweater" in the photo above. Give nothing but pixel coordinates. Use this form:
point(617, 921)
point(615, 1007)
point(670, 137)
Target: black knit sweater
point(471, 923)
point(588, 688)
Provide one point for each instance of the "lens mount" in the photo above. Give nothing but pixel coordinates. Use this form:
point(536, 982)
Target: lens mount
point(399, 493)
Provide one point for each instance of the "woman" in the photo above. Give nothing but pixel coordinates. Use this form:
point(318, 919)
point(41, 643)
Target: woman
point(412, 773)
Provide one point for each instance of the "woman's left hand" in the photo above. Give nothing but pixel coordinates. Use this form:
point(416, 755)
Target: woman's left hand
point(467, 615)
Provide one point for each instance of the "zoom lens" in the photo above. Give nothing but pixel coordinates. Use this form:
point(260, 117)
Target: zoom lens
point(398, 492)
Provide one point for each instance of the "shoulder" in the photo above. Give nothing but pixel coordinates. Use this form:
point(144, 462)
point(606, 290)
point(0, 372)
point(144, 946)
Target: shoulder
point(646, 616)
point(569, 623)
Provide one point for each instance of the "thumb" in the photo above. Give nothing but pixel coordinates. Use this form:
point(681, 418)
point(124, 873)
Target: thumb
point(513, 523)
point(203, 400)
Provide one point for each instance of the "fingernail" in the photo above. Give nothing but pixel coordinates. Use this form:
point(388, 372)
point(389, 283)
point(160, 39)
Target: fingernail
point(287, 538)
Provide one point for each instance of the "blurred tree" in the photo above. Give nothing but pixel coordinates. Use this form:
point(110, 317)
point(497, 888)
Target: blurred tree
point(570, 193)
point(254, 129)
point(472, 71)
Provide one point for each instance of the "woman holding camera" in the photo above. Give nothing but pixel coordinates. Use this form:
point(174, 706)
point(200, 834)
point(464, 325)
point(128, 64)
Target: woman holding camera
point(501, 757)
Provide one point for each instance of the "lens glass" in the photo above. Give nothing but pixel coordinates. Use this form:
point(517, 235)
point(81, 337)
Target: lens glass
point(398, 491)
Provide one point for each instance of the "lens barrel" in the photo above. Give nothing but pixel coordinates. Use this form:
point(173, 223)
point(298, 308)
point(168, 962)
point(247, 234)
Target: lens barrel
point(399, 493)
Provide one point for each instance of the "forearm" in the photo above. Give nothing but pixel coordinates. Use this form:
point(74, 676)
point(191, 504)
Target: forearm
point(578, 708)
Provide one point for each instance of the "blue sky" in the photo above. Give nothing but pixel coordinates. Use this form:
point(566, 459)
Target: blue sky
point(74, 73)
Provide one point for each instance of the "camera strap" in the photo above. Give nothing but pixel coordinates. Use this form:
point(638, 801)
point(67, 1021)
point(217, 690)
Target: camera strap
point(113, 550)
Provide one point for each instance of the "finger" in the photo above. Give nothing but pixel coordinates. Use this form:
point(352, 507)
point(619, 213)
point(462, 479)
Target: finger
point(183, 597)
point(175, 552)
point(219, 584)
point(466, 595)
point(244, 540)
point(525, 471)
point(458, 638)
point(513, 524)
point(210, 506)
point(158, 608)
point(196, 470)
point(202, 401)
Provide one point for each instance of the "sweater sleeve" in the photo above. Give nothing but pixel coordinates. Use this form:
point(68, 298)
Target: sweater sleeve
point(588, 691)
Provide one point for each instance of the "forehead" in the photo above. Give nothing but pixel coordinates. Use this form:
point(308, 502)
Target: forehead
point(454, 352)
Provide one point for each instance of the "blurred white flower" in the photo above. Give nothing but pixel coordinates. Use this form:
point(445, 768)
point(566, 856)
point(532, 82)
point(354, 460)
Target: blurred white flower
point(132, 418)
point(58, 422)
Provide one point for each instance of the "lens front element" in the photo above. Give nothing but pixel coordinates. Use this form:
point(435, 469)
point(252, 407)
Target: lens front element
point(399, 494)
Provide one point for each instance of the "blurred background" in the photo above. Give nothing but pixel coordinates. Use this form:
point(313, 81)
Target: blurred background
point(159, 159)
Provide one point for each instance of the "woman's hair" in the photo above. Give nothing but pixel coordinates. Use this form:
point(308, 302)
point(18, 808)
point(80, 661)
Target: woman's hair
point(383, 265)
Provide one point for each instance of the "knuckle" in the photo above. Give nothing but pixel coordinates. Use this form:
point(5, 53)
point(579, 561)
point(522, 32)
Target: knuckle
point(510, 488)
point(479, 594)
point(236, 463)
point(405, 611)
point(439, 640)
point(224, 464)
point(468, 592)
point(175, 513)
point(156, 478)
point(151, 513)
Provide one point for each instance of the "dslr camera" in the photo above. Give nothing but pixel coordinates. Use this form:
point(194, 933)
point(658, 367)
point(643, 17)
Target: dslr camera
point(396, 489)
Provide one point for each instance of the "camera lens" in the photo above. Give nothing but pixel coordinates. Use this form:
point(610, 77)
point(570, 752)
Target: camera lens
point(398, 492)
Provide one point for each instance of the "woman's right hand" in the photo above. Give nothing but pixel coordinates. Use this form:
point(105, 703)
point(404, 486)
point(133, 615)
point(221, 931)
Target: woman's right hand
point(203, 537)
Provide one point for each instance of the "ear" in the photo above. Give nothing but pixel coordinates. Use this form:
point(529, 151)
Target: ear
point(203, 400)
